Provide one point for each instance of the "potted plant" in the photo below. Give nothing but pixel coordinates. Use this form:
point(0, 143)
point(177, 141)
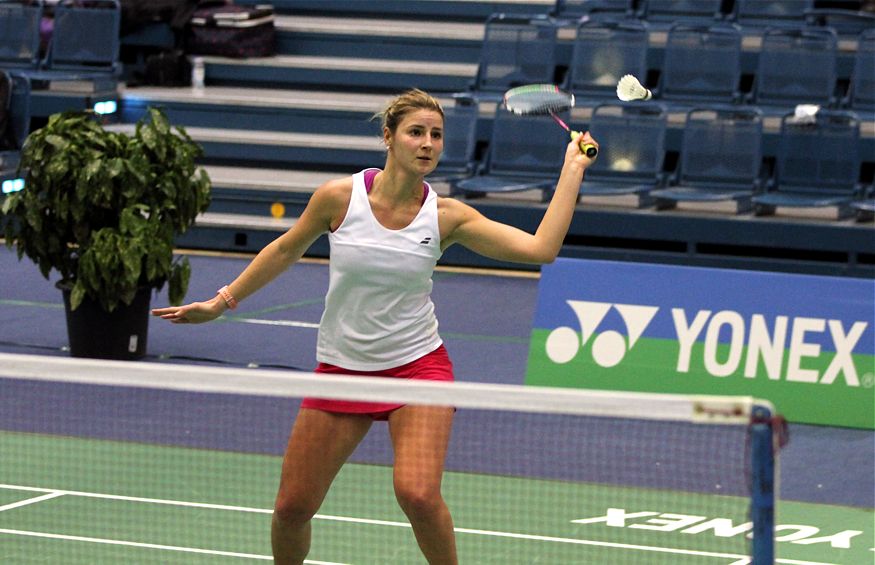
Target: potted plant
point(103, 208)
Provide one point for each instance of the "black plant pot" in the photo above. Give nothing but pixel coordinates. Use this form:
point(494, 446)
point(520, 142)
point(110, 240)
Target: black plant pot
point(120, 334)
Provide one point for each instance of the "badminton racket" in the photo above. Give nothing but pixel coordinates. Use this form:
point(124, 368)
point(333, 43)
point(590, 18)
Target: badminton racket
point(542, 100)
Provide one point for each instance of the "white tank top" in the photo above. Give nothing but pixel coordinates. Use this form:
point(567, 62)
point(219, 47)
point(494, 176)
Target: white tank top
point(378, 310)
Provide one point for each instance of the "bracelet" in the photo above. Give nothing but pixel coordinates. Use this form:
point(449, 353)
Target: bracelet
point(225, 293)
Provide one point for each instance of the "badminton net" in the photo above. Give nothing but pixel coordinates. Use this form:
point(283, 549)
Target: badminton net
point(133, 462)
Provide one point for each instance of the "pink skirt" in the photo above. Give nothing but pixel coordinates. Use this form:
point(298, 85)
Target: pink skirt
point(435, 366)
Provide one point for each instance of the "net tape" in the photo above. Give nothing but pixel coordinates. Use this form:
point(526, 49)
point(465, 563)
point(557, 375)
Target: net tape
point(293, 384)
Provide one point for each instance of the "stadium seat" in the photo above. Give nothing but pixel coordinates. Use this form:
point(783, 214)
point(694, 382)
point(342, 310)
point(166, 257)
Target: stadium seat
point(595, 8)
point(721, 158)
point(774, 13)
point(861, 91)
point(632, 138)
point(604, 51)
point(18, 124)
point(796, 66)
point(865, 207)
point(702, 63)
point(525, 153)
point(20, 35)
point(517, 50)
point(460, 130)
point(683, 10)
point(846, 23)
point(85, 39)
point(818, 164)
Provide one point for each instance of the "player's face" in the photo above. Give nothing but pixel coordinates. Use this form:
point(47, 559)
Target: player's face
point(418, 141)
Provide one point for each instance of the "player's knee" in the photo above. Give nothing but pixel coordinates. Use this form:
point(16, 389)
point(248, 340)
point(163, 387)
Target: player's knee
point(294, 510)
point(418, 500)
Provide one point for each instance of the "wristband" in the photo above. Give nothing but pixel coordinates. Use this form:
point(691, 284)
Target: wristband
point(225, 293)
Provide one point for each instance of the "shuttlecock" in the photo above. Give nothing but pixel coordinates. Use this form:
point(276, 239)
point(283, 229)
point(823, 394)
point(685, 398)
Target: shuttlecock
point(630, 89)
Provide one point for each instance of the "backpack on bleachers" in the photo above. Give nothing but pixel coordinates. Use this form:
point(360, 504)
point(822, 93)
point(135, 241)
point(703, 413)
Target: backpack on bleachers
point(175, 13)
point(227, 30)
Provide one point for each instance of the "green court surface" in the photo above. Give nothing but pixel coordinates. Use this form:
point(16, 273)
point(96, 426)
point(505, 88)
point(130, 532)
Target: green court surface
point(81, 501)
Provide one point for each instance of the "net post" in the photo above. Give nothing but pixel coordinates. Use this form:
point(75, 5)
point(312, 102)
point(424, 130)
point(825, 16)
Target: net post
point(763, 485)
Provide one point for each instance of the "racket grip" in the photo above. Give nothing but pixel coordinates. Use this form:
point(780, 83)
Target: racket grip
point(587, 149)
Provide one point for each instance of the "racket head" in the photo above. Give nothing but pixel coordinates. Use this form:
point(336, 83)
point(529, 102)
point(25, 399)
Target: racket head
point(537, 99)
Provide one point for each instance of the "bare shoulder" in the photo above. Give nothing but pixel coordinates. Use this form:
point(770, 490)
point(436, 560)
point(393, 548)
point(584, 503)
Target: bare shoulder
point(336, 191)
point(330, 201)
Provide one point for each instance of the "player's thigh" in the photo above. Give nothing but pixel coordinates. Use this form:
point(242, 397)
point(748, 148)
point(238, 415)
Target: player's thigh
point(319, 444)
point(420, 437)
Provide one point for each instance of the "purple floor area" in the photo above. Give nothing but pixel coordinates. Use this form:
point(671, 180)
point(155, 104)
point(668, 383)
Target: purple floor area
point(485, 323)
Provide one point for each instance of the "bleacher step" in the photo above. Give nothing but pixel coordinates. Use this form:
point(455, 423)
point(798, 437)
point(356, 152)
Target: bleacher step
point(372, 27)
point(260, 97)
point(264, 179)
point(243, 222)
point(273, 138)
point(347, 72)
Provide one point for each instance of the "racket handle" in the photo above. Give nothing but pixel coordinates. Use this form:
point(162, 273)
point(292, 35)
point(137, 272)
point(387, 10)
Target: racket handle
point(587, 149)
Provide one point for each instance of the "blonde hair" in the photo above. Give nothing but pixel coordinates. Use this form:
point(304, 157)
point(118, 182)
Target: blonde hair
point(404, 103)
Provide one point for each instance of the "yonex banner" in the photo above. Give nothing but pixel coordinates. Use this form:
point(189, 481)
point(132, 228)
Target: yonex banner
point(804, 342)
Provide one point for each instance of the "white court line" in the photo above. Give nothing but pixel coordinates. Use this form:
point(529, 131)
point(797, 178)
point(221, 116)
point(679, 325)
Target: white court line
point(489, 533)
point(139, 499)
point(151, 546)
point(263, 322)
point(21, 503)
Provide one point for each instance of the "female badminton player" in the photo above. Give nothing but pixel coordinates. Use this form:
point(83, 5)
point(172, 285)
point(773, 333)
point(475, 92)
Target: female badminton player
point(387, 228)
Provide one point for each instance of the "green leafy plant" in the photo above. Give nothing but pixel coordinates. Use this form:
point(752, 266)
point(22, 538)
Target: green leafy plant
point(103, 208)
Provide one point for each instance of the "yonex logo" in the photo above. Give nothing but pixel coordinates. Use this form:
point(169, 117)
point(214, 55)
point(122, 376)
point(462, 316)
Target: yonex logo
point(609, 347)
point(426, 241)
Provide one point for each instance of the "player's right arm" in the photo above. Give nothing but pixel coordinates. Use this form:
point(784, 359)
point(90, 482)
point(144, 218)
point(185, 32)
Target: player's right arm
point(324, 212)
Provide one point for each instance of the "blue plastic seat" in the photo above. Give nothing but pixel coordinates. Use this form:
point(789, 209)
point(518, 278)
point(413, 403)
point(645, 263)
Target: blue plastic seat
point(774, 13)
point(517, 50)
point(818, 164)
point(595, 8)
point(18, 107)
point(20, 35)
point(632, 141)
point(683, 10)
point(797, 66)
point(702, 63)
point(847, 23)
point(865, 208)
point(460, 130)
point(524, 153)
point(861, 92)
point(721, 158)
point(85, 38)
point(604, 51)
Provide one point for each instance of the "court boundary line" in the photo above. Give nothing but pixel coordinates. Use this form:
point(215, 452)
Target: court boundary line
point(740, 559)
point(105, 541)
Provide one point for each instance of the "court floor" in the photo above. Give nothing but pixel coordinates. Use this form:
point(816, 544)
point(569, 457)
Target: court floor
point(98, 501)
point(825, 516)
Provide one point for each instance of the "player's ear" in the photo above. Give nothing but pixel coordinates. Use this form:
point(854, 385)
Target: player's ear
point(387, 137)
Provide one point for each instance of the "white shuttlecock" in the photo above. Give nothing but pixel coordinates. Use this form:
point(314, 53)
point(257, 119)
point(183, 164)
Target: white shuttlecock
point(629, 89)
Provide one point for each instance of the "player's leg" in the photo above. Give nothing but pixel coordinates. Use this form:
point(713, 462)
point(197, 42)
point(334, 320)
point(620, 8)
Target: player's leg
point(319, 444)
point(420, 436)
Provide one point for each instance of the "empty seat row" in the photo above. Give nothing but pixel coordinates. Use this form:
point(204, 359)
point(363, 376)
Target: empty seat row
point(83, 44)
point(749, 13)
point(701, 62)
point(817, 163)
